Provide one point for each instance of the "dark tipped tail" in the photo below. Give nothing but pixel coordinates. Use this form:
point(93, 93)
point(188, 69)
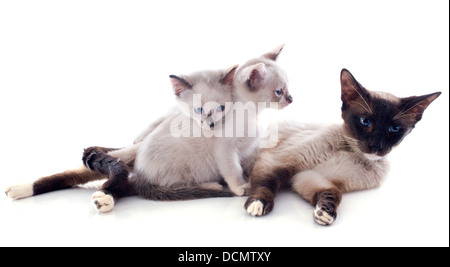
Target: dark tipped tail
point(156, 192)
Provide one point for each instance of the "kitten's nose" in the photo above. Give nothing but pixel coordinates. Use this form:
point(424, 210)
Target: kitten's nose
point(289, 99)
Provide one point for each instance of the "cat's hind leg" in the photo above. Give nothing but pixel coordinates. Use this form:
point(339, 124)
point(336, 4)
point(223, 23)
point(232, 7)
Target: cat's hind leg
point(70, 178)
point(53, 182)
point(322, 193)
point(117, 171)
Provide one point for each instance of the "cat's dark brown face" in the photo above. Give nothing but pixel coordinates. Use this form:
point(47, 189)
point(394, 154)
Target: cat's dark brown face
point(379, 121)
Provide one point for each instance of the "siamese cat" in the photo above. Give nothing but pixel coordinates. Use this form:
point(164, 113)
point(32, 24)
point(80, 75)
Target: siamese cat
point(321, 163)
point(170, 161)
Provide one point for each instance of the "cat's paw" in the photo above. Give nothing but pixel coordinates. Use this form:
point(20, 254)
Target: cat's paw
point(323, 216)
point(257, 207)
point(102, 202)
point(19, 191)
point(240, 190)
point(89, 156)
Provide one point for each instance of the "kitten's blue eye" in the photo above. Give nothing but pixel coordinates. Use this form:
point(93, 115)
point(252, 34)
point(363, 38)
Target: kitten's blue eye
point(365, 122)
point(198, 110)
point(220, 108)
point(394, 129)
point(279, 92)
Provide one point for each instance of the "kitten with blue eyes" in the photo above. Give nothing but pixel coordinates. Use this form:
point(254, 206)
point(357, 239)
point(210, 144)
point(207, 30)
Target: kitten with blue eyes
point(321, 163)
point(157, 150)
point(186, 154)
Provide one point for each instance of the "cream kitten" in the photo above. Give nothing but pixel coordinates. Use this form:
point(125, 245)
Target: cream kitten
point(170, 160)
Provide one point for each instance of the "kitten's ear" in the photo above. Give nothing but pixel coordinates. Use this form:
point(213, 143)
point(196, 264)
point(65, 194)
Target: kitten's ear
point(413, 107)
point(255, 75)
point(274, 53)
point(351, 90)
point(229, 76)
point(179, 85)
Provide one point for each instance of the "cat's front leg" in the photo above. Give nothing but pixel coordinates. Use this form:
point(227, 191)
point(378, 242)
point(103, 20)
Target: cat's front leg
point(117, 185)
point(322, 193)
point(230, 168)
point(264, 185)
point(326, 203)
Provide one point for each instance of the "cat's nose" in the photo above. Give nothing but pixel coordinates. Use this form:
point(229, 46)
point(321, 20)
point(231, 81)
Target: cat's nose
point(289, 99)
point(376, 146)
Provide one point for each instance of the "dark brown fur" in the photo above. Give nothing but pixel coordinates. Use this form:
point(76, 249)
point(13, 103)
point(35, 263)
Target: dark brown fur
point(117, 185)
point(68, 178)
point(64, 180)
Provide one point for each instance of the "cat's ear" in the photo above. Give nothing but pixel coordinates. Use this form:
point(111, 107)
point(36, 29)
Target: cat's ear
point(272, 55)
point(412, 108)
point(179, 85)
point(227, 79)
point(255, 75)
point(352, 91)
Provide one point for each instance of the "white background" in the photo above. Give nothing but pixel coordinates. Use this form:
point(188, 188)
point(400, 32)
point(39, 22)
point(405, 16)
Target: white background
point(79, 73)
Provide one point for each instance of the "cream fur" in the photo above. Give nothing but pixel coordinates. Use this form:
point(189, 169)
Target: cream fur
point(102, 202)
point(20, 191)
point(189, 159)
point(326, 158)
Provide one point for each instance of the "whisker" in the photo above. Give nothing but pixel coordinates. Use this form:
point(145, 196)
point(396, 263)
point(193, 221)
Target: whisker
point(404, 115)
point(369, 111)
point(362, 97)
point(401, 113)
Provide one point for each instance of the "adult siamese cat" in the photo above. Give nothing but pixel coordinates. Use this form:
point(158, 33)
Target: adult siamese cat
point(321, 163)
point(187, 153)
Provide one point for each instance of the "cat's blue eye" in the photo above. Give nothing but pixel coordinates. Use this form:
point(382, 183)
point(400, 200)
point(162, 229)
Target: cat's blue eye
point(365, 122)
point(394, 129)
point(198, 110)
point(220, 108)
point(279, 92)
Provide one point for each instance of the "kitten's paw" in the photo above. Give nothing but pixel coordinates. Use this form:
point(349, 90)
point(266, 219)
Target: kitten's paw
point(323, 217)
point(19, 191)
point(257, 207)
point(102, 202)
point(240, 190)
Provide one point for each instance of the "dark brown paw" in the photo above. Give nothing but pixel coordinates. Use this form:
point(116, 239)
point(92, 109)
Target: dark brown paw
point(90, 154)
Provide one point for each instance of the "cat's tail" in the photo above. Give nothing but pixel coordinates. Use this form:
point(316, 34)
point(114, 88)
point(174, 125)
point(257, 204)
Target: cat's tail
point(157, 192)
